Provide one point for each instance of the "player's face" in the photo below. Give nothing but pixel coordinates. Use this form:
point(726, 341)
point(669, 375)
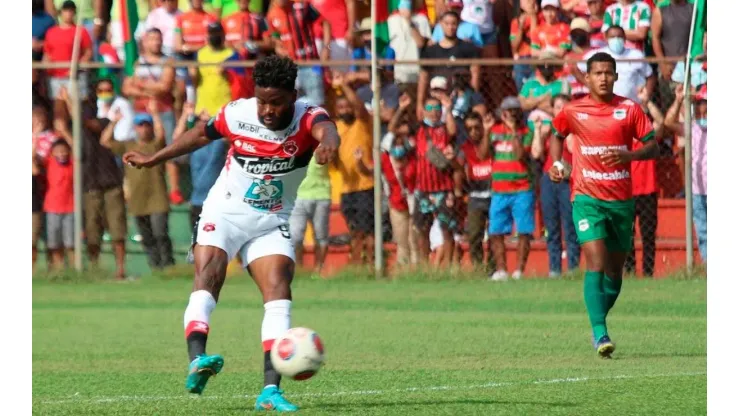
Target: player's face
point(601, 78)
point(274, 107)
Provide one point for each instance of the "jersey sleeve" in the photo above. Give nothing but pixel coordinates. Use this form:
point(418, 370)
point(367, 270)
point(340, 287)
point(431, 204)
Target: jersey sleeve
point(314, 116)
point(178, 23)
point(560, 125)
point(643, 127)
point(528, 137)
point(217, 127)
point(644, 17)
point(536, 44)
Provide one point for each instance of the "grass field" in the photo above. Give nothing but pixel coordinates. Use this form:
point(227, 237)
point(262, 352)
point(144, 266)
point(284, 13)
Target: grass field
point(393, 348)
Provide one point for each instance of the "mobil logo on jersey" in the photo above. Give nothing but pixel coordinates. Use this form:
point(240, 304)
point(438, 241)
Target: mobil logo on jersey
point(265, 194)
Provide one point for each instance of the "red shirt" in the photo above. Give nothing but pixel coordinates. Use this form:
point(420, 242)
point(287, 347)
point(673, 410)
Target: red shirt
point(59, 197)
point(599, 127)
point(44, 140)
point(428, 177)
point(58, 46)
point(566, 156)
point(525, 48)
point(478, 171)
point(193, 26)
point(335, 11)
point(644, 176)
point(551, 37)
point(292, 25)
point(396, 198)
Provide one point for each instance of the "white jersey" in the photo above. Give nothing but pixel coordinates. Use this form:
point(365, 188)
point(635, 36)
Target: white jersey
point(263, 168)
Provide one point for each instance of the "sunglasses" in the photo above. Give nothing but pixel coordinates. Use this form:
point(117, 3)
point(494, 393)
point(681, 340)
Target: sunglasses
point(433, 107)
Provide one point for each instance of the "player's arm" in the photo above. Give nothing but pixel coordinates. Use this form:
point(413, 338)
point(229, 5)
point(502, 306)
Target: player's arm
point(643, 131)
point(560, 130)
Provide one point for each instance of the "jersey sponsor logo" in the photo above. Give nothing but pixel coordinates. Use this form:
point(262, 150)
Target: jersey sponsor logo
point(600, 150)
point(209, 226)
point(504, 146)
point(246, 127)
point(620, 114)
point(265, 194)
point(247, 147)
point(263, 166)
point(617, 175)
point(581, 116)
point(290, 147)
point(583, 225)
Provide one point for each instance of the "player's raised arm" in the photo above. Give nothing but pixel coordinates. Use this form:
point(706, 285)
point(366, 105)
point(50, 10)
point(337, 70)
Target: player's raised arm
point(200, 135)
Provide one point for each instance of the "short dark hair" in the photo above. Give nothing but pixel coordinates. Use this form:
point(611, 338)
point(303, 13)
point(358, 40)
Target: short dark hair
point(61, 142)
point(615, 27)
point(154, 30)
point(473, 116)
point(69, 5)
point(275, 72)
point(450, 13)
point(601, 57)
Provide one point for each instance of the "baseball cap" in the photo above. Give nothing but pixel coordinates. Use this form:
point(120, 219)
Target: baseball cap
point(580, 23)
point(511, 103)
point(438, 82)
point(142, 118)
point(553, 3)
point(68, 5)
point(366, 25)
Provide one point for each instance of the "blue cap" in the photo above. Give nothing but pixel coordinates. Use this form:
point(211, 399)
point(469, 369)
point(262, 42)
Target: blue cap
point(142, 118)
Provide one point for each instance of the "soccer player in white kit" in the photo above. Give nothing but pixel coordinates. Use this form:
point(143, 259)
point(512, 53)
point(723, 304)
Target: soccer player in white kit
point(272, 138)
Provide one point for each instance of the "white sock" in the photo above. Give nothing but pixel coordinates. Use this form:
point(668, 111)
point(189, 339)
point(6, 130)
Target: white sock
point(198, 312)
point(275, 322)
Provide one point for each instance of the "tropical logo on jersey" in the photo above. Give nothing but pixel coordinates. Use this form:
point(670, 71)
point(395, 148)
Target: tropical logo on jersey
point(255, 165)
point(265, 194)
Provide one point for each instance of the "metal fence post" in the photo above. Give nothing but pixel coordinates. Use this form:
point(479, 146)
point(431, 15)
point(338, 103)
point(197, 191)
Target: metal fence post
point(74, 94)
point(688, 174)
point(377, 186)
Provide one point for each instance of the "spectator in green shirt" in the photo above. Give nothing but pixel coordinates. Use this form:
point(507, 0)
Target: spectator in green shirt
point(313, 204)
point(537, 92)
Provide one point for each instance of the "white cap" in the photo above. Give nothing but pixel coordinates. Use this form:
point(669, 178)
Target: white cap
point(553, 3)
point(438, 82)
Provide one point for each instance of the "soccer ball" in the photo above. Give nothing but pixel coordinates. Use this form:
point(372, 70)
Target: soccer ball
point(297, 354)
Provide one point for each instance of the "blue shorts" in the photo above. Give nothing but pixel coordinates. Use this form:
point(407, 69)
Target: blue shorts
point(507, 209)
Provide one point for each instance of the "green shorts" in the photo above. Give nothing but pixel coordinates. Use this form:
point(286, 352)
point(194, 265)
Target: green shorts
point(610, 221)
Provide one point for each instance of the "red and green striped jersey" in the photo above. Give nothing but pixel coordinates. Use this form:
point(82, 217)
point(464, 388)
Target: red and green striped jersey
point(509, 173)
point(630, 17)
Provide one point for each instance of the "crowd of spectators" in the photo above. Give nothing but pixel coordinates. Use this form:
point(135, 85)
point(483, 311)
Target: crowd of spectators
point(464, 146)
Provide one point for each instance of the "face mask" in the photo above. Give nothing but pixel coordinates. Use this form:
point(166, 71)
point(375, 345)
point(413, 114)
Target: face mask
point(397, 152)
point(430, 123)
point(106, 97)
point(547, 72)
point(616, 45)
point(702, 122)
point(348, 118)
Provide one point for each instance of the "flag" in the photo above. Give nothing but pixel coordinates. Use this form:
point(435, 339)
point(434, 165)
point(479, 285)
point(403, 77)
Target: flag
point(700, 29)
point(382, 11)
point(107, 54)
point(129, 22)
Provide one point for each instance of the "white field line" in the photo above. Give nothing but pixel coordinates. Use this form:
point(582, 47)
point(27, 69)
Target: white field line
point(118, 399)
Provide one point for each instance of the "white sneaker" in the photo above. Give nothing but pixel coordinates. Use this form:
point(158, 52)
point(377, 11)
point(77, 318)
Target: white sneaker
point(500, 276)
point(516, 275)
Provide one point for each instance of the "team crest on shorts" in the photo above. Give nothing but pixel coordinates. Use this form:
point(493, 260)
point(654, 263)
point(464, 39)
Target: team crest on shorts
point(620, 114)
point(265, 194)
point(583, 225)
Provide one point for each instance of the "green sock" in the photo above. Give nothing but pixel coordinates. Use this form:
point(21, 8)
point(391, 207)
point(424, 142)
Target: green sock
point(596, 303)
point(612, 287)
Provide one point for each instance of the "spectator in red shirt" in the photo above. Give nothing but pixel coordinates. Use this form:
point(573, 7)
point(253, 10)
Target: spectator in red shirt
point(522, 33)
point(59, 202)
point(580, 43)
point(596, 10)
point(43, 135)
point(551, 36)
point(58, 45)
point(191, 30)
point(341, 15)
point(645, 192)
point(477, 162)
point(247, 32)
point(398, 165)
point(434, 181)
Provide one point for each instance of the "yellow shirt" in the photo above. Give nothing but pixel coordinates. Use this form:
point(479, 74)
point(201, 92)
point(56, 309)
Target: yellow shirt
point(213, 90)
point(358, 134)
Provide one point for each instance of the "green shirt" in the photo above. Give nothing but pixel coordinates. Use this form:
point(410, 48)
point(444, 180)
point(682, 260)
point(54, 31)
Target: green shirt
point(533, 88)
point(317, 184)
point(229, 7)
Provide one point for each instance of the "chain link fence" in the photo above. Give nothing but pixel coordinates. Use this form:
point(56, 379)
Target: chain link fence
point(456, 208)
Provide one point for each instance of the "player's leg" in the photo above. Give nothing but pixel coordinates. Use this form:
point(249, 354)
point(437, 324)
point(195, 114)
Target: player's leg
point(217, 241)
point(269, 259)
point(590, 222)
point(619, 243)
point(648, 228)
point(500, 221)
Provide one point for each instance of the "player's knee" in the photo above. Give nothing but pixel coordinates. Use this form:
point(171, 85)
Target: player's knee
point(277, 287)
point(595, 263)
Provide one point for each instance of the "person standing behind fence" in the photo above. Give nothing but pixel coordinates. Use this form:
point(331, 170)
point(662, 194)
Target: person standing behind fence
point(645, 193)
point(557, 210)
point(247, 34)
point(148, 201)
point(154, 79)
point(213, 83)
point(355, 129)
point(58, 45)
point(477, 161)
point(698, 157)
point(523, 27)
point(513, 198)
point(59, 203)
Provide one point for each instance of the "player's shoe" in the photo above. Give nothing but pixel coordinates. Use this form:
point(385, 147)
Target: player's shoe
point(604, 346)
point(272, 399)
point(499, 276)
point(200, 370)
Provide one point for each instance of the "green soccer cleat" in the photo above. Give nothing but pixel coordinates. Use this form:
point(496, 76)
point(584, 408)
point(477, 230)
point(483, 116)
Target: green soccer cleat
point(200, 370)
point(604, 346)
point(272, 399)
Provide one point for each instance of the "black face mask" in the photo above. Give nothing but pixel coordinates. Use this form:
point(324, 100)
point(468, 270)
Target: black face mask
point(347, 118)
point(580, 39)
point(547, 72)
point(216, 41)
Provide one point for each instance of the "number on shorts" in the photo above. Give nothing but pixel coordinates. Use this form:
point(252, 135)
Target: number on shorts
point(285, 231)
